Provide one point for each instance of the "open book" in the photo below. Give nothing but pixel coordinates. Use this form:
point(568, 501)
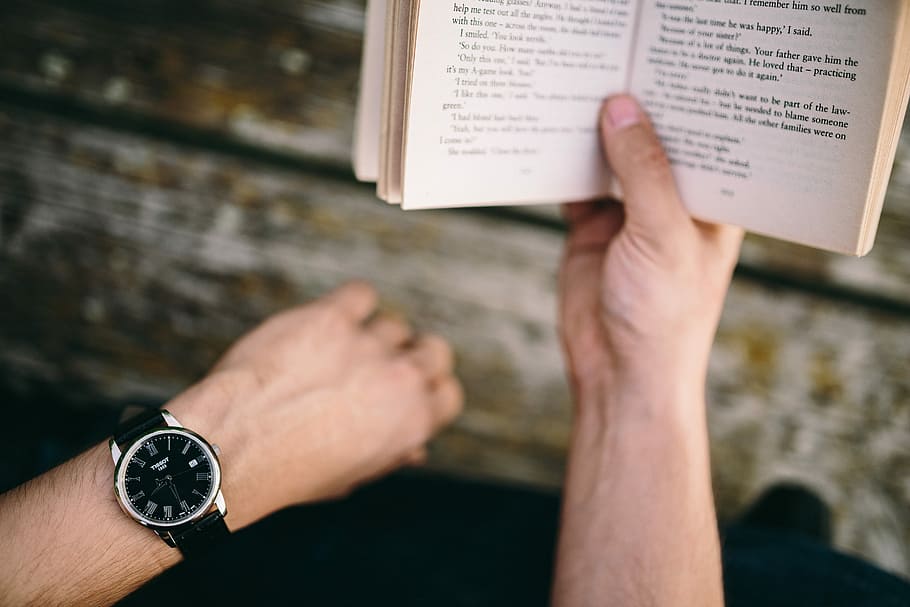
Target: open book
point(780, 116)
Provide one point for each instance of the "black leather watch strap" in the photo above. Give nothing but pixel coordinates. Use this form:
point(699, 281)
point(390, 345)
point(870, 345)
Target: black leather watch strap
point(202, 535)
point(134, 427)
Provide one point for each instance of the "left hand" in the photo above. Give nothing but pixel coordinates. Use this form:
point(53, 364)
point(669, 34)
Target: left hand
point(318, 400)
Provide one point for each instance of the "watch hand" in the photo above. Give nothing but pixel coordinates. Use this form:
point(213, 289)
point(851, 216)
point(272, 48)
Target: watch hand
point(161, 483)
point(174, 491)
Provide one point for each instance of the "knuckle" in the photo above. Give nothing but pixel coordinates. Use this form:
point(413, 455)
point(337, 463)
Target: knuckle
point(405, 372)
point(371, 343)
point(331, 315)
point(439, 347)
point(359, 288)
point(393, 325)
point(356, 293)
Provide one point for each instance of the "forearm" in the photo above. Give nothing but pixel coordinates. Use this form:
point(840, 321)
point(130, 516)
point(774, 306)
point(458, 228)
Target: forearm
point(308, 406)
point(639, 526)
point(69, 542)
point(66, 541)
point(314, 402)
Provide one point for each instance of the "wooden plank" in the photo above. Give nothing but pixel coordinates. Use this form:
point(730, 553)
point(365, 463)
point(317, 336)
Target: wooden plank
point(283, 75)
point(127, 266)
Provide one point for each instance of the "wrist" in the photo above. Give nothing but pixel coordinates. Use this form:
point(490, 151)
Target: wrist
point(135, 538)
point(652, 396)
point(213, 409)
point(651, 429)
point(223, 408)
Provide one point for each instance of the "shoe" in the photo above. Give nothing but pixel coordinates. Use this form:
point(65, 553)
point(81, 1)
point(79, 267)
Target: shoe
point(791, 508)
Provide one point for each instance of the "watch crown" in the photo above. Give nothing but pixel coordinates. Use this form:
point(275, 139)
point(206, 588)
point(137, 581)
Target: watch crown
point(216, 449)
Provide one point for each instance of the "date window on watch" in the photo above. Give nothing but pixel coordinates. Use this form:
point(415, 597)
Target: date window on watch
point(193, 463)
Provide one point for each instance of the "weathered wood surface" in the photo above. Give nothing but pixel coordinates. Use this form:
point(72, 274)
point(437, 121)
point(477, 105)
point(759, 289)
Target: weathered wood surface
point(282, 74)
point(127, 265)
point(278, 73)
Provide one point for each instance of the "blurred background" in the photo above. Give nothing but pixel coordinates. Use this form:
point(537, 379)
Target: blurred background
point(173, 172)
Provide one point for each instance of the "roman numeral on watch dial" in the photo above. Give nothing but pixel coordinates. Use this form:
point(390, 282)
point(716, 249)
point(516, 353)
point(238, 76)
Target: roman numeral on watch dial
point(153, 450)
point(168, 511)
point(150, 508)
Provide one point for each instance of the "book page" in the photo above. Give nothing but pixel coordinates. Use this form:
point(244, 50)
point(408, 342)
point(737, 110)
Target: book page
point(770, 109)
point(504, 99)
point(369, 97)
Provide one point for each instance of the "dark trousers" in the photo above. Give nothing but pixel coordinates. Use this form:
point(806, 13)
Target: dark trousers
point(425, 540)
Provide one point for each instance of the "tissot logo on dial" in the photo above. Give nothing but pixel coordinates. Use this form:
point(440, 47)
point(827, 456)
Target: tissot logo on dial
point(168, 478)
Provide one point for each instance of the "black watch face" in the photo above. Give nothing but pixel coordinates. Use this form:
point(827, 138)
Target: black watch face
point(168, 478)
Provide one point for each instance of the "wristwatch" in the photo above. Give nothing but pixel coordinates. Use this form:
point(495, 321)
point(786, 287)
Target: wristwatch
point(168, 478)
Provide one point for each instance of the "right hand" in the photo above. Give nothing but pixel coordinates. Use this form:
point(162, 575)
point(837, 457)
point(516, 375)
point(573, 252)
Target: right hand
point(318, 400)
point(642, 283)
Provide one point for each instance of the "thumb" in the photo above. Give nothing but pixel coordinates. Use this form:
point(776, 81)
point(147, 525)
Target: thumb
point(638, 161)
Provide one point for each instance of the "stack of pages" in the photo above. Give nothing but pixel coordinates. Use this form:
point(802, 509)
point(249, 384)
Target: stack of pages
point(779, 116)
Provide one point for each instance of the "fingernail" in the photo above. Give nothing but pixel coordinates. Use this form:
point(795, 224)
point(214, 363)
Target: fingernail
point(623, 112)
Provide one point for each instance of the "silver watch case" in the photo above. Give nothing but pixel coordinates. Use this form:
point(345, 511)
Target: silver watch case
point(213, 500)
